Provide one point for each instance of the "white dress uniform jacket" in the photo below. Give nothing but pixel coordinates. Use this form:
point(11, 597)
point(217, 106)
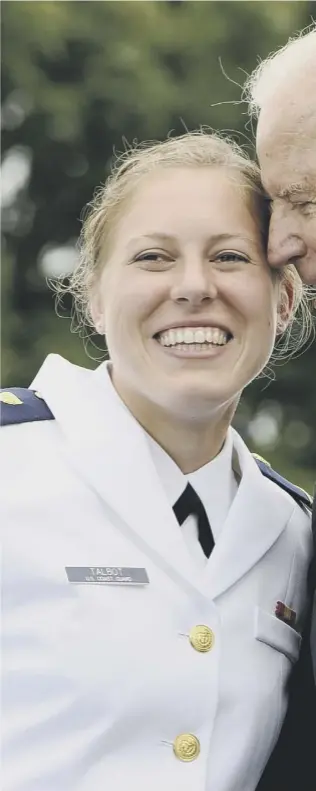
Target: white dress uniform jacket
point(105, 686)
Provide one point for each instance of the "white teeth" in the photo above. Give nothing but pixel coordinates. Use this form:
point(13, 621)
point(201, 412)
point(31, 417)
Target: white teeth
point(188, 336)
point(216, 336)
point(191, 335)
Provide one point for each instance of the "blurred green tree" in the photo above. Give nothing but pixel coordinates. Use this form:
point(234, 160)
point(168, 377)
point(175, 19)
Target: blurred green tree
point(77, 79)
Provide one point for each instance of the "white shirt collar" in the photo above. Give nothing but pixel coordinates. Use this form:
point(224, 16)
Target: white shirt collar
point(215, 482)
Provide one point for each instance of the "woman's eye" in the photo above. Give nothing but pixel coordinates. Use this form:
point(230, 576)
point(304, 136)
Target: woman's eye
point(230, 255)
point(148, 257)
point(153, 257)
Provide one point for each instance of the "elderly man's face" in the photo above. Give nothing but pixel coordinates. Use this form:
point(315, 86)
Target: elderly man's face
point(286, 146)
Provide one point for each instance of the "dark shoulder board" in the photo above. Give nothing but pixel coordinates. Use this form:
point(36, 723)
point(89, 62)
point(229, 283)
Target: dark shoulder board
point(20, 405)
point(298, 494)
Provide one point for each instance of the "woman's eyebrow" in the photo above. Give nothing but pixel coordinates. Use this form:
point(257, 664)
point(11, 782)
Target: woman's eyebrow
point(213, 238)
point(165, 237)
point(154, 237)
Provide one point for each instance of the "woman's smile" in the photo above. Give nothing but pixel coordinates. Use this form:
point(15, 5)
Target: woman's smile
point(192, 348)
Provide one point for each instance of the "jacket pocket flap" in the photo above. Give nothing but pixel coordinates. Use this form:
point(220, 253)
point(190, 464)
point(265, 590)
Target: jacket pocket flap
point(277, 634)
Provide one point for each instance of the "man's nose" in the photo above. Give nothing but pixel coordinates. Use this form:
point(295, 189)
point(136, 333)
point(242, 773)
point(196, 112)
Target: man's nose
point(285, 244)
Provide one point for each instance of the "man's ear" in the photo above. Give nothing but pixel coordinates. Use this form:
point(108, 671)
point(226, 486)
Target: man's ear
point(285, 305)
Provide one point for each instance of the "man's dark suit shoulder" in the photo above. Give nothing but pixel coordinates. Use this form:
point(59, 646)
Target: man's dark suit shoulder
point(292, 766)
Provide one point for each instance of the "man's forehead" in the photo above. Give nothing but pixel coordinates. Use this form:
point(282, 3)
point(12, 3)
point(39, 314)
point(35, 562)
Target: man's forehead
point(286, 125)
point(288, 174)
point(289, 112)
point(286, 148)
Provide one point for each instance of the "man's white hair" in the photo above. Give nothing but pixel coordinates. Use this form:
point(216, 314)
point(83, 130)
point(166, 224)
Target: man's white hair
point(295, 56)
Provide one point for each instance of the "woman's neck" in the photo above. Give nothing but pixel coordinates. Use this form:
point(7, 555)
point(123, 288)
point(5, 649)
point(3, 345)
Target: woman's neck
point(190, 446)
point(190, 440)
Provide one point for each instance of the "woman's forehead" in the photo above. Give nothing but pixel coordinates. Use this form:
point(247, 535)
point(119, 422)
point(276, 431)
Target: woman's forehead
point(172, 177)
point(172, 193)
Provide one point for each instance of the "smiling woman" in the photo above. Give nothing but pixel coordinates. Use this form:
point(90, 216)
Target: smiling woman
point(195, 150)
point(177, 239)
point(160, 593)
point(172, 264)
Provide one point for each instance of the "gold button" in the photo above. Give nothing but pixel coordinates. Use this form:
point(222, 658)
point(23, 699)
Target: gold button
point(202, 638)
point(186, 747)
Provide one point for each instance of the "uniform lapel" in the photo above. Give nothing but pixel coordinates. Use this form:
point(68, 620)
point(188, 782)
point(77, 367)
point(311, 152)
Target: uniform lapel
point(109, 450)
point(256, 519)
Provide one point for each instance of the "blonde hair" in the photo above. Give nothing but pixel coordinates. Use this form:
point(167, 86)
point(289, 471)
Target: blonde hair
point(199, 148)
point(279, 67)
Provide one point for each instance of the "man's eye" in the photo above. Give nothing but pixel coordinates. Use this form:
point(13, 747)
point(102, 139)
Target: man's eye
point(230, 255)
point(306, 205)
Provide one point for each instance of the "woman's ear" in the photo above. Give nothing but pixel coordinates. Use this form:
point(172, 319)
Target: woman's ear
point(285, 305)
point(99, 324)
point(99, 328)
point(97, 314)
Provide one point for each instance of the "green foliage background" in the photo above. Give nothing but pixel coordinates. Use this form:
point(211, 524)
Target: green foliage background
point(77, 78)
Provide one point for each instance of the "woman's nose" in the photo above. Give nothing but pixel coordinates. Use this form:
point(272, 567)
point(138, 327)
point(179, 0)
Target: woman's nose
point(286, 244)
point(195, 284)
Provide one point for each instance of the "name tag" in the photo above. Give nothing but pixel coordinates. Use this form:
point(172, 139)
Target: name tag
point(106, 575)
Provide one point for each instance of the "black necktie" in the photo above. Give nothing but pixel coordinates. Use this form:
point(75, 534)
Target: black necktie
point(190, 503)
